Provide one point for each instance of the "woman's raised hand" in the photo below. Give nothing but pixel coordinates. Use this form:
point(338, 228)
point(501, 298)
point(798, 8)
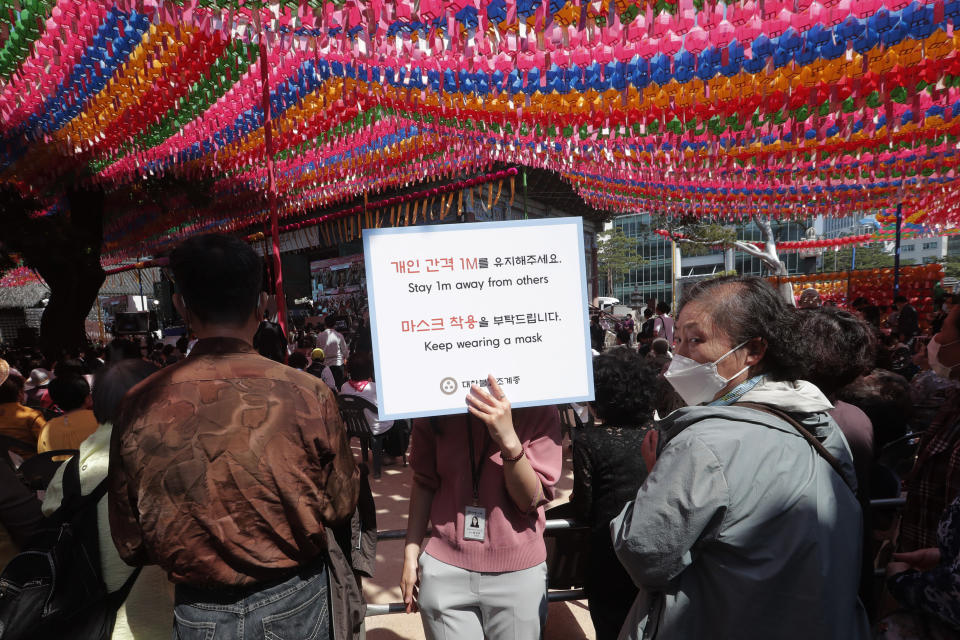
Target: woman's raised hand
point(493, 409)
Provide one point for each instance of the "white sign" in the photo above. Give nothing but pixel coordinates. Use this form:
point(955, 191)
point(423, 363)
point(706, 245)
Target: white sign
point(450, 304)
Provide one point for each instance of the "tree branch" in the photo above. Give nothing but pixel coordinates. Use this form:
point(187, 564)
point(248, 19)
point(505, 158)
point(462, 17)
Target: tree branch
point(769, 254)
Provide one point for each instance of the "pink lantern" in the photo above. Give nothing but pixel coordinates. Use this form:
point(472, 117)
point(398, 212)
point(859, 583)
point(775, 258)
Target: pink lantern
point(603, 55)
point(739, 14)
point(801, 21)
point(773, 7)
point(865, 8)
point(662, 24)
point(723, 34)
point(637, 29)
point(670, 44)
point(710, 19)
point(749, 31)
point(696, 40)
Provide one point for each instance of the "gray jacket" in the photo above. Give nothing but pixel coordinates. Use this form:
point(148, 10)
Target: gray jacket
point(742, 530)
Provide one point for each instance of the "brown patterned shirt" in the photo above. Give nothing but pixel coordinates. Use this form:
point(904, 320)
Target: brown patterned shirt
point(225, 468)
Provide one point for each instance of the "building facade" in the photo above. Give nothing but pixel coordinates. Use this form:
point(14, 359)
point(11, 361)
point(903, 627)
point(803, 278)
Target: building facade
point(922, 250)
point(652, 277)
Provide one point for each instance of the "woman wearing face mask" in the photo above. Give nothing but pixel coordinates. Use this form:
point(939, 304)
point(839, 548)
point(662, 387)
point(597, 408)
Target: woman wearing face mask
point(748, 525)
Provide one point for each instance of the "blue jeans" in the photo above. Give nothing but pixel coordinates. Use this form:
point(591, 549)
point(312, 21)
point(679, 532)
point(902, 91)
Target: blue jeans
point(295, 609)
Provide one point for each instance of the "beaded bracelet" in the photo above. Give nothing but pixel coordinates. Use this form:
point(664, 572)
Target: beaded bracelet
point(515, 458)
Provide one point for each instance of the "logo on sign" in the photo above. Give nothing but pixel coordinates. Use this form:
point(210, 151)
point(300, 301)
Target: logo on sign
point(448, 386)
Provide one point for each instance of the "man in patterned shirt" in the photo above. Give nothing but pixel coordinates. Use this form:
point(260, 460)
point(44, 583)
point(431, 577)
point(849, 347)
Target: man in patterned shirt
point(228, 468)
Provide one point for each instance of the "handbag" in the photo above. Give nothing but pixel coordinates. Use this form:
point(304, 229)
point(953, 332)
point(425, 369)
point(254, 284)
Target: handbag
point(55, 589)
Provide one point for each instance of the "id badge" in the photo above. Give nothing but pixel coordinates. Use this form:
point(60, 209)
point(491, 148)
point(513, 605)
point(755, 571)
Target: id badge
point(474, 523)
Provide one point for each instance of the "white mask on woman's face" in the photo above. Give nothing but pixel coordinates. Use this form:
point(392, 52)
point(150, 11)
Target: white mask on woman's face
point(698, 382)
point(933, 352)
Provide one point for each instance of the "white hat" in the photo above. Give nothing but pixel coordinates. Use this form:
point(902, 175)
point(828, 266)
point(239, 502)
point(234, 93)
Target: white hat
point(38, 378)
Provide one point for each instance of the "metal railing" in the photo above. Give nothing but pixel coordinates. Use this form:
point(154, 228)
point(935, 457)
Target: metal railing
point(558, 524)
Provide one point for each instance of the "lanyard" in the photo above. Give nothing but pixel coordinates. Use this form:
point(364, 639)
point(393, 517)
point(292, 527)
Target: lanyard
point(475, 469)
point(736, 393)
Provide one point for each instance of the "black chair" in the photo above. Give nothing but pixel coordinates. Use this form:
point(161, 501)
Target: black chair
point(568, 551)
point(21, 448)
point(37, 472)
point(569, 420)
point(900, 455)
point(352, 410)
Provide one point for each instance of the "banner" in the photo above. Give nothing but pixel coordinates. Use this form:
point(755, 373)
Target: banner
point(451, 304)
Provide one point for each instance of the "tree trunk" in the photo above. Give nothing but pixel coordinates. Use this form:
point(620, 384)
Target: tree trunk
point(70, 265)
point(595, 281)
point(770, 257)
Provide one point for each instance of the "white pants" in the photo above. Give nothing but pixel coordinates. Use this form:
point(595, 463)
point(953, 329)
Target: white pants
point(457, 604)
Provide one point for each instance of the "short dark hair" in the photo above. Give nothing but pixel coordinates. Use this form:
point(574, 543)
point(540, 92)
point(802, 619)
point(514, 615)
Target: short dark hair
point(360, 366)
point(840, 347)
point(885, 397)
point(330, 322)
point(648, 313)
point(69, 367)
point(297, 360)
point(872, 314)
point(11, 388)
point(625, 386)
point(745, 308)
point(219, 277)
point(663, 307)
point(69, 392)
point(900, 298)
point(122, 349)
point(112, 383)
point(660, 346)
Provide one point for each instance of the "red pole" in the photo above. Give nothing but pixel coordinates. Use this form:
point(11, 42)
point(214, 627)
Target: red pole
point(272, 189)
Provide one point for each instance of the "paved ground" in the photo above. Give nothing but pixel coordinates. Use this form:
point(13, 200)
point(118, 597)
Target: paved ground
point(566, 620)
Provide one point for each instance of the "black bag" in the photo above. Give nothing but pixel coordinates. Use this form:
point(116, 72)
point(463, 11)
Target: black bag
point(646, 330)
point(55, 589)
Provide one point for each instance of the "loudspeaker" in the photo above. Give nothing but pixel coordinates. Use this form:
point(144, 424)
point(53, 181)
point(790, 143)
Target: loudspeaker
point(163, 292)
point(132, 323)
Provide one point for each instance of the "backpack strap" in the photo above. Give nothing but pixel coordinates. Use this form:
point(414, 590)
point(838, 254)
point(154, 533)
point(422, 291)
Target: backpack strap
point(809, 437)
point(73, 500)
point(116, 599)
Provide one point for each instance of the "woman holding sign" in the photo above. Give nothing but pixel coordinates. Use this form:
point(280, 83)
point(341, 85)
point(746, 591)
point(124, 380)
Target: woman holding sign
point(482, 481)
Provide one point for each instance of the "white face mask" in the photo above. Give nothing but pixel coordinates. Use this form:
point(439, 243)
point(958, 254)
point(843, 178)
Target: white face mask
point(933, 349)
point(698, 382)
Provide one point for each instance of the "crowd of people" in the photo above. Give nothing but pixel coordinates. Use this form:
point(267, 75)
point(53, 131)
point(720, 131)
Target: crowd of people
point(724, 473)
